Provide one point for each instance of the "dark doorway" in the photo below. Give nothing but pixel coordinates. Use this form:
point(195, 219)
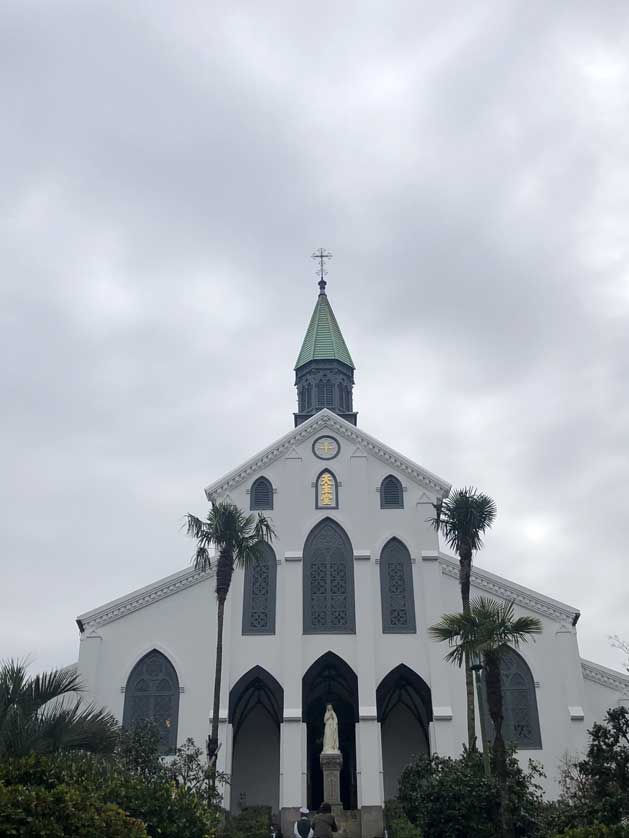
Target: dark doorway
point(404, 711)
point(256, 710)
point(330, 679)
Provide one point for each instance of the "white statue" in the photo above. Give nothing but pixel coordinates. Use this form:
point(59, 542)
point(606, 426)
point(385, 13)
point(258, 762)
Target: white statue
point(331, 732)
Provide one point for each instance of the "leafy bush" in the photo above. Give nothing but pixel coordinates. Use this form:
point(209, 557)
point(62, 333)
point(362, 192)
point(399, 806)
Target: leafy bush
point(397, 824)
point(252, 822)
point(134, 779)
point(452, 798)
point(596, 830)
point(36, 812)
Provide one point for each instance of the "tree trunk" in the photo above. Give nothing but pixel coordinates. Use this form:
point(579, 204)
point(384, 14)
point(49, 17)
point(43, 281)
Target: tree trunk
point(465, 574)
point(224, 573)
point(494, 702)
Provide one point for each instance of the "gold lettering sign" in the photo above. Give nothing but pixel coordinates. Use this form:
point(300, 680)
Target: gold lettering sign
point(327, 490)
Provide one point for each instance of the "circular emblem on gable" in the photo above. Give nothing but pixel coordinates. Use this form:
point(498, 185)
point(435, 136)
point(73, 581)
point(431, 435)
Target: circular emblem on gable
point(325, 448)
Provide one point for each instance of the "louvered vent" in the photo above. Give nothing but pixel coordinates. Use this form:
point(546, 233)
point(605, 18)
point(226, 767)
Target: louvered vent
point(391, 494)
point(262, 494)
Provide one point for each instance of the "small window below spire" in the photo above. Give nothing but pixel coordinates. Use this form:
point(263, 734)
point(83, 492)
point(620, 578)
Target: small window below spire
point(391, 493)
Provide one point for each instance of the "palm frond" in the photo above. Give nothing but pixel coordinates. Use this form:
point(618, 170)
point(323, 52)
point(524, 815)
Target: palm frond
point(463, 517)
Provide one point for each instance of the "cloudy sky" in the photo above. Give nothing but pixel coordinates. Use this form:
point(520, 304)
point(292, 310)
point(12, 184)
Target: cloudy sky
point(167, 169)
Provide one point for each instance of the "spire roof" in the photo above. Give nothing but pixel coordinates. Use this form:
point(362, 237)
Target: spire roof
point(323, 340)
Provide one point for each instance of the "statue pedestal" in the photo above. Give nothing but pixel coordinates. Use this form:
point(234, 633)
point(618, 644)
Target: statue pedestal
point(331, 764)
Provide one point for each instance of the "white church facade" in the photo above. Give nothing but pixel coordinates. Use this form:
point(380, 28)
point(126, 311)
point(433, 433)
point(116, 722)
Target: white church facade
point(337, 612)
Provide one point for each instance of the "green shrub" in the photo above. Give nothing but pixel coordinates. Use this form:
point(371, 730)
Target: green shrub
point(596, 830)
point(252, 822)
point(396, 822)
point(452, 798)
point(167, 810)
point(38, 812)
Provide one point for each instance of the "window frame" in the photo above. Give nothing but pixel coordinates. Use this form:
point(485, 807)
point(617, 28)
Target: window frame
point(253, 506)
point(268, 555)
point(409, 589)
point(383, 504)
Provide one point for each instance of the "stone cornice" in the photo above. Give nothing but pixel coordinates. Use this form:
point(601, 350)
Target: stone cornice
point(326, 420)
point(136, 600)
point(489, 583)
point(604, 676)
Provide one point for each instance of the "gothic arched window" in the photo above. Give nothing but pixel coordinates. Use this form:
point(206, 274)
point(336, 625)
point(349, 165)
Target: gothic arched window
point(320, 393)
point(391, 493)
point(261, 496)
point(328, 581)
point(152, 694)
point(308, 396)
point(519, 703)
point(258, 610)
point(396, 589)
point(341, 402)
point(326, 491)
point(329, 394)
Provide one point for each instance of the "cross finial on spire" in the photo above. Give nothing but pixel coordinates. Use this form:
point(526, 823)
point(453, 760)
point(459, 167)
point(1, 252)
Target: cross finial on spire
point(321, 272)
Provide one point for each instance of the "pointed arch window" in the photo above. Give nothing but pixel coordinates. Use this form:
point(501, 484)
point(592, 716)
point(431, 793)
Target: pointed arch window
point(258, 612)
point(152, 694)
point(519, 703)
point(341, 401)
point(308, 396)
point(396, 589)
point(391, 493)
point(320, 393)
point(329, 394)
point(326, 490)
point(261, 496)
point(328, 587)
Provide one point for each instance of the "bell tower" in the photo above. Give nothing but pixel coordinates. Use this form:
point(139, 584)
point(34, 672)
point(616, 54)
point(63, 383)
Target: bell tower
point(324, 372)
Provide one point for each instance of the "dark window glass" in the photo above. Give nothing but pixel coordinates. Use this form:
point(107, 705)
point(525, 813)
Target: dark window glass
point(258, 615)
point(320, 394)
point(152, 694)
point(396, 589)
point(328, 581)
point(329, 394)
point(391, 493)
point(519, 699)
point(261, 494)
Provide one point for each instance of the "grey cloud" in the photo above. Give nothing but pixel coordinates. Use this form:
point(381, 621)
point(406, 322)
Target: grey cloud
point(166, 173)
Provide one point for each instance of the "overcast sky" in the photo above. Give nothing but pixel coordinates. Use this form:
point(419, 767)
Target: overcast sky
point(166, 170)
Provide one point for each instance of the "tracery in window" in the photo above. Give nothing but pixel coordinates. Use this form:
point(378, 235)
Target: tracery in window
point(152, 694)
point(396, 589)
point(258, 613)
point(328, 581)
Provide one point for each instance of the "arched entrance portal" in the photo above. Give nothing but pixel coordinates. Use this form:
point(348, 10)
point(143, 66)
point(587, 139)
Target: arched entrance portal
point(404, 707)
point(330, 679)
point(256, 711)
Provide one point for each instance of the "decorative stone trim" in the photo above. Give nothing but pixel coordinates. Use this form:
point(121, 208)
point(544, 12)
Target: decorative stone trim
point(292, 714)
point(604, 676)
point(293, 556)
point(430, 555)
point(368, 714)
point(326, 420)
point(141, 598)
point(496, 585)
point(442, 714)
point(362, 555)
point(576, 714)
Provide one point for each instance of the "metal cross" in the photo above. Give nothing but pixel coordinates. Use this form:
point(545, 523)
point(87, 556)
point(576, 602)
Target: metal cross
point(321, 254)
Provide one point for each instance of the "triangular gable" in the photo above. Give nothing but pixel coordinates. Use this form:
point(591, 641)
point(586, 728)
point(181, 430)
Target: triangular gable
point(326, 420)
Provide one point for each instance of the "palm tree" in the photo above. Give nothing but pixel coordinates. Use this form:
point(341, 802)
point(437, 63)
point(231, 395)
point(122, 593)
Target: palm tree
point(462, 518)
point(40, 714)
point(488, 630)
point(237, 538)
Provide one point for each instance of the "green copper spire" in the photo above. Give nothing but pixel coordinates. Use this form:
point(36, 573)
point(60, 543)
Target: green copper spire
point(324, 341)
